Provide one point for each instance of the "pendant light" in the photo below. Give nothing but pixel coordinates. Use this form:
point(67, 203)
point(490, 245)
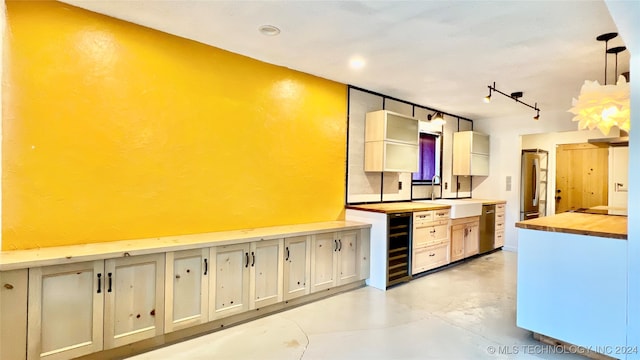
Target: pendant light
point(604, 106)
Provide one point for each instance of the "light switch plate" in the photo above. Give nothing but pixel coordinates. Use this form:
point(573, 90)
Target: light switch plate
point(508, 183)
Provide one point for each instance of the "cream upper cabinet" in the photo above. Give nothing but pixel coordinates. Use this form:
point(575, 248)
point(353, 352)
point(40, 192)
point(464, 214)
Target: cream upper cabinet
point(186, 289)
point(229, 280)
point(65, 310)
point(134, 299)
point(335, 259)
point(470, 154)
point(266, 273)
point(391, 142)
point(297, 267)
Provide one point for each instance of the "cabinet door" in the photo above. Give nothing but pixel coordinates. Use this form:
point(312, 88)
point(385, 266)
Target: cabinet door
point(457, 242)
point(65, 310)
point(229, 280)
point(14, 290)
point(186, 289)
point(297, 269)
point(471, 240)
point(266, 273)
point(348, 265)
point(324, 248)
point(134, 299)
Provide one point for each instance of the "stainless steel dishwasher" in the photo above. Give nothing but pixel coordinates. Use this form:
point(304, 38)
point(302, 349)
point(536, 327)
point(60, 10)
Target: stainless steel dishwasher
point(487, 228)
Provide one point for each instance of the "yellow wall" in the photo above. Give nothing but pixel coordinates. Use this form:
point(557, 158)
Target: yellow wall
point(114, 131)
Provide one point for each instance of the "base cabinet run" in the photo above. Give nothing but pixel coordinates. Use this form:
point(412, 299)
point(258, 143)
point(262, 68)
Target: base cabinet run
point(77, 309)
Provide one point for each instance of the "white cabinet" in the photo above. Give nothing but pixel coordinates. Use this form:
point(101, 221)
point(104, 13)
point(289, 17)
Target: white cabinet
point(245, 276)
point(297, 267)
point(134, 299)
point(334, 259)
point(391, 142)
point(77, 309)
point(65, 310)
point(229, 280)
point(266, 273)
point(186, 289)
point(498, 240)
point(430, 245)
point(470, 154)
point(13, 314)
point(465, 237)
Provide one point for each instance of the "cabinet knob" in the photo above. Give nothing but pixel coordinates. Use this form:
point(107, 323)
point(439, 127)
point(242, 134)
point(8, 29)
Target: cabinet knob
point(8, 286)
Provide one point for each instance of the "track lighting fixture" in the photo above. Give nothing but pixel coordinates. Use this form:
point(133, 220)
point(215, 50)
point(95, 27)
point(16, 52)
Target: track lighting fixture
point(515, 96)
point(436, 118)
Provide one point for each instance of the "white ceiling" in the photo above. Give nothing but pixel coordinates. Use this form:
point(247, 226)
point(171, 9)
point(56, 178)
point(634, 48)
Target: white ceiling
point(440, 54)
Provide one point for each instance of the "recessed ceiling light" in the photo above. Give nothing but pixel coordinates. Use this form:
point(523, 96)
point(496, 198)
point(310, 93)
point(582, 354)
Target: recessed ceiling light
point(357, 63)
point(269, 30)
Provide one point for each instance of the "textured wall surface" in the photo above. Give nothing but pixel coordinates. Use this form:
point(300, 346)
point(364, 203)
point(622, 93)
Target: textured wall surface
point(114, 131)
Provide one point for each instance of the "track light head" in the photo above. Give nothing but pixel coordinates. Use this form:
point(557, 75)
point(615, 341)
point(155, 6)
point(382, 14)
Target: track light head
point(537, 117)
point(436, 118)
point(487, 99)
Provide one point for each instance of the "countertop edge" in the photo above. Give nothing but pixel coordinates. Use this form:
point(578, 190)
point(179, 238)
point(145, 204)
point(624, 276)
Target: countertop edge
point(572, 231)
point(395, 211)
point(57, 255)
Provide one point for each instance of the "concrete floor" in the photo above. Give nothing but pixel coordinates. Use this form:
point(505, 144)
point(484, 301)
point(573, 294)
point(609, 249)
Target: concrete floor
point(464, 312)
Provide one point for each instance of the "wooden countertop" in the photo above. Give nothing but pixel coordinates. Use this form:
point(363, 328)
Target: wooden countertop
point(609, 226)
point(21, 259)
point(398, 207)
point(488, 201)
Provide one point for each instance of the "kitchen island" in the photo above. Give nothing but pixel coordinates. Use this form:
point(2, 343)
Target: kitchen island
point(572, 280)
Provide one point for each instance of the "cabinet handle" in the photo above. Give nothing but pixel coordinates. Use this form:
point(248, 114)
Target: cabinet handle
point(206, 266)
point(287, 249)
point(246, 258)
point(335, 242)
point(433, 231)
point(432, 254)
point(340, 243)
point(253, 259)
point(109, 275)
point(99, 283)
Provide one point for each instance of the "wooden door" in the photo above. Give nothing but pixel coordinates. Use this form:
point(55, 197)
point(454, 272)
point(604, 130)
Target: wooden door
point(472, 239)
point(457, 242)
point(348, 264)
point(297, 269)
point(266, 273)
point(324, 249)
point(134, 299)
point(186, 289)
point(65, 310)
point(581, 176)
point(229, 280)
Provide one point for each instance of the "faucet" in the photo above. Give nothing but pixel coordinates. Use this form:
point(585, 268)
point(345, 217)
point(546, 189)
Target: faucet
point(433, 188)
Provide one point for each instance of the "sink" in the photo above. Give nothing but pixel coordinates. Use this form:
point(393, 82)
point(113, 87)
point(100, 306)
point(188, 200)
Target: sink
point(459, 208)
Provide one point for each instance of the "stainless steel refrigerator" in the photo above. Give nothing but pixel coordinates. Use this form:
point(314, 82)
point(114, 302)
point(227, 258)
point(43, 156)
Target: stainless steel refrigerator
point(530, 184)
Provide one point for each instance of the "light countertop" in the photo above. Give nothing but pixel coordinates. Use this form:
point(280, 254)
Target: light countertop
point(20, 259)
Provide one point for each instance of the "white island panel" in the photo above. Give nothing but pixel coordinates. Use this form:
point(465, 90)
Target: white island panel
point(573, 288)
